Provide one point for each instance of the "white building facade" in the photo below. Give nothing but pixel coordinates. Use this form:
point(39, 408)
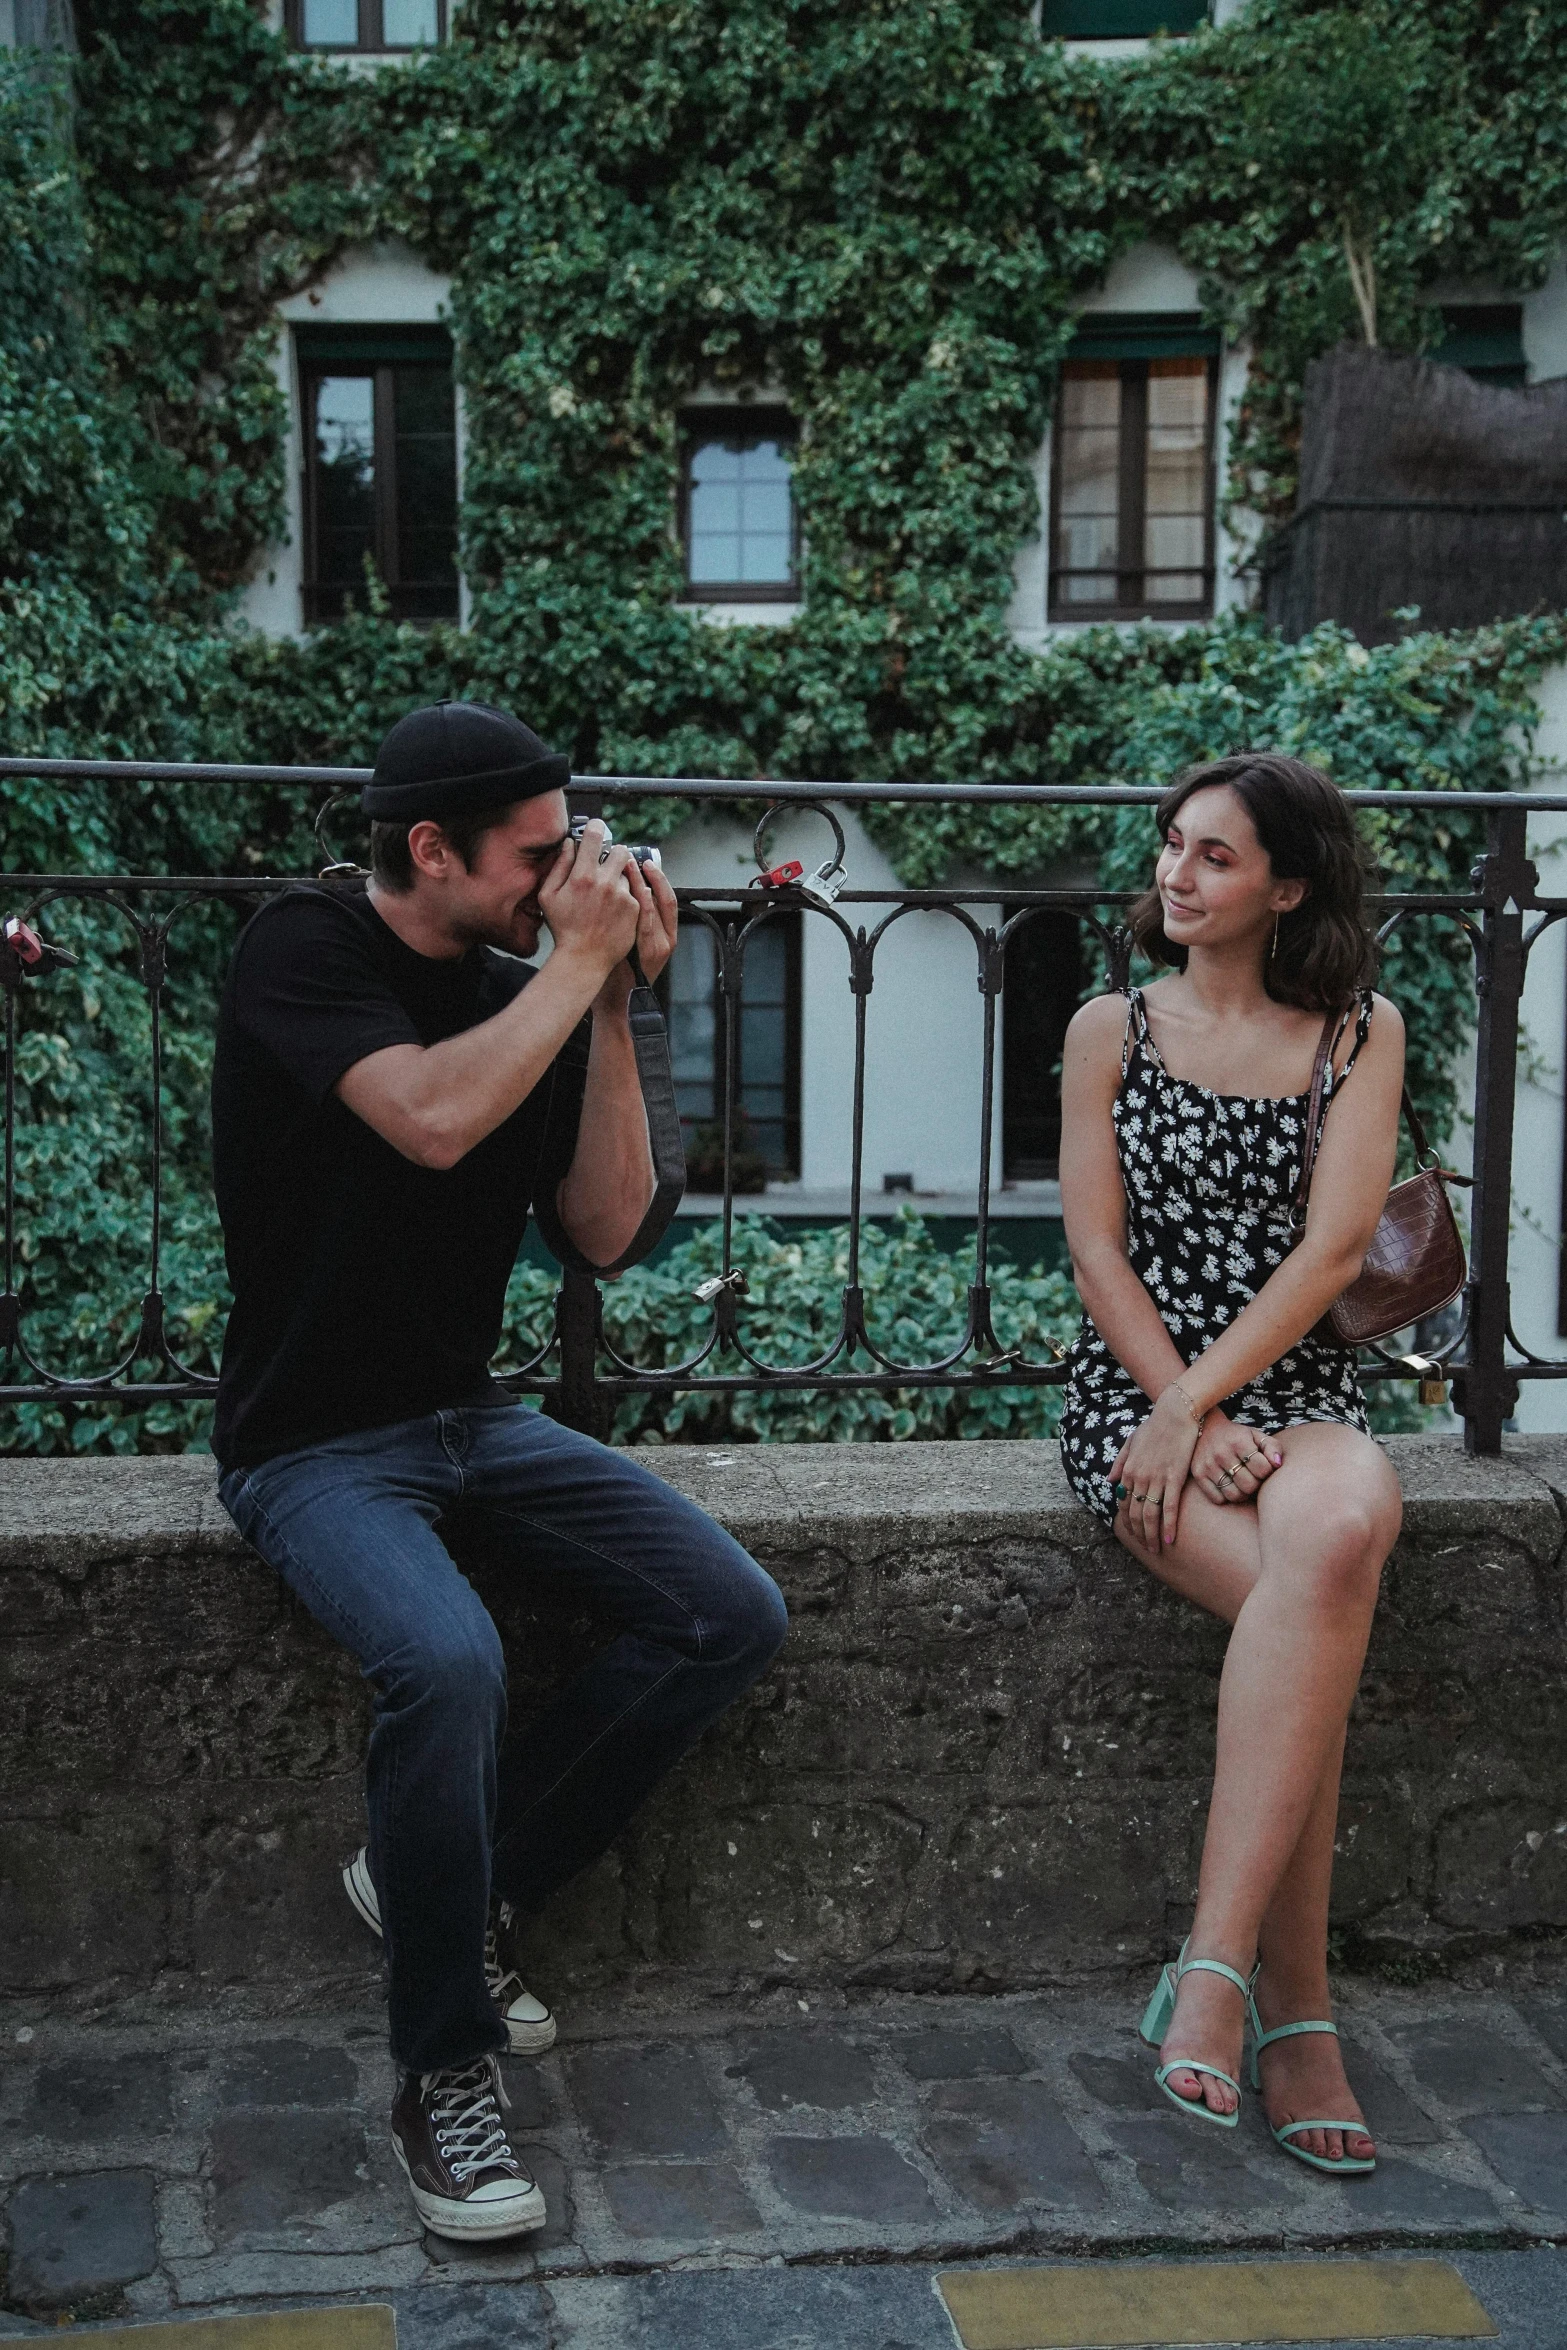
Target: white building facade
point(1128, 532)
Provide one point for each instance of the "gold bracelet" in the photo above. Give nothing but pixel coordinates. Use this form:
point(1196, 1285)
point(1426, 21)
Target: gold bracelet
point(1175, 1388)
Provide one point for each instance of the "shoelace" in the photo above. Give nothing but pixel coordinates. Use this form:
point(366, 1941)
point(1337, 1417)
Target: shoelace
point(465, 2116)
point(496, 1975)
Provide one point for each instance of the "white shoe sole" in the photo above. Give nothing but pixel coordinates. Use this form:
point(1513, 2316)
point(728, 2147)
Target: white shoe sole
point(470, 2223)
point(360, 1888)
point(526, 2035)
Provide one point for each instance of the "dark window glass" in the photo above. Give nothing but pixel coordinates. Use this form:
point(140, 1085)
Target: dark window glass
point(738, 526)
point(1486, 341)
point(366, 24)
point(380, 434)
point(767, 1048)
point(1119, 20)
point(1043, 981)
point(1132, 488)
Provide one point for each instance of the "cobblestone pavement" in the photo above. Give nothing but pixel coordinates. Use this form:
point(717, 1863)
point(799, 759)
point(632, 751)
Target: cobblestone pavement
point(160, 2168)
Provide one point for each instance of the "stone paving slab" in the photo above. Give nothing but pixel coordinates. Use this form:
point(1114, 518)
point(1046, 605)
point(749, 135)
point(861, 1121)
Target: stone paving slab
point(154, 2169)
point(872, 2307)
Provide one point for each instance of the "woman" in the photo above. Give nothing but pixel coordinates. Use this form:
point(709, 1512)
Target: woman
point(1224, 1441)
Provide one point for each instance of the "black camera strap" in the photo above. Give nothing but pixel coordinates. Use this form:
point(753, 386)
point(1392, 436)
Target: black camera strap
point(650, 1043)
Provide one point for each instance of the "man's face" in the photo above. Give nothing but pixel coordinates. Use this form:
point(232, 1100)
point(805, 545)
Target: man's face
point(496, 901)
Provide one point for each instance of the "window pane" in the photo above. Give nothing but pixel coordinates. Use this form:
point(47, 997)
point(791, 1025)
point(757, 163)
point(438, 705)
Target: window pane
point(1175, 529)
point(762, 1053)
point(344, 441)
point(408, 24)
point(767, 506)
point(693, 1023)
point(1091, 393)
point(764, 558)
point(1175, 542)
point(713, 461)
point(740, 515)
point(1177, 435)
point(1088, 483)
point(714, 557)
point(426, 427)
point(715, 507)
point(767, 964)
point(331, 24)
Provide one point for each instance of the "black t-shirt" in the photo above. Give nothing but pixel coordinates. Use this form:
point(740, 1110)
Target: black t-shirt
point(366, 1289)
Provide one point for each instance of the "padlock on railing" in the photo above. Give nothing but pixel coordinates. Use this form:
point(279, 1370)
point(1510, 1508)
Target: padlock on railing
point(821, 887)
point(824, 884)
point(24, 955)
point(706, 1291)
point(1431, 1377)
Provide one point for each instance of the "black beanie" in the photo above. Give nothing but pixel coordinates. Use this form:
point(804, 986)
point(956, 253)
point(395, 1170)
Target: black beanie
point(456, 759)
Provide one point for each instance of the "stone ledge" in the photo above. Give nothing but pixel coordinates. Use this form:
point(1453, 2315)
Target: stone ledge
point(91, 1509)
point(980, 1761)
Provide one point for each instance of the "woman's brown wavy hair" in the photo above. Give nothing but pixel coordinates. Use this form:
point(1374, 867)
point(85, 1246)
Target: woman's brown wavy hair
point(1326, 953)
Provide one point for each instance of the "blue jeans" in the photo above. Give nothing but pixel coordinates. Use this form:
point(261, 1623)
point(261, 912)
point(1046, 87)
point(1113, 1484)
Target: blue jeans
point(454, 1815)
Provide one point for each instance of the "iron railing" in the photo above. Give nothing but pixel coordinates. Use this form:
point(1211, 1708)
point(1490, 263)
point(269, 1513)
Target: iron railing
point(576, 1370)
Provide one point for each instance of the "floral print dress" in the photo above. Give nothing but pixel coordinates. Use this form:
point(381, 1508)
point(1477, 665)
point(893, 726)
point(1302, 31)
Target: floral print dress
point(1209, 1180)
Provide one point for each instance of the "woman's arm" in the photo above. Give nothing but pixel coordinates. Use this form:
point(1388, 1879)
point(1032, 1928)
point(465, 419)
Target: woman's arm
point(1093, 1200)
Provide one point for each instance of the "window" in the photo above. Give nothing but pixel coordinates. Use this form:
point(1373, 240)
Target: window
point(1119, 20)
point(1486, 341)
point(738, 528)
point(1043, 982)
point(374, 25)
point(379, 428)
point(767, 1052)
point(1132, 473)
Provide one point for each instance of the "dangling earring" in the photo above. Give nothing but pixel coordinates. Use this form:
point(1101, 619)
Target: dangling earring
point(1273, 950)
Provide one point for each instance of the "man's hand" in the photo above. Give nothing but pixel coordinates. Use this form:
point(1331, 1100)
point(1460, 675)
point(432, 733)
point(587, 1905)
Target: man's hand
point(593, 901)
point(658, 915)
point(658, 924)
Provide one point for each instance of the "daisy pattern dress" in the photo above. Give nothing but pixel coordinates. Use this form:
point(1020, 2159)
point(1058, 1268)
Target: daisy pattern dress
point(1209, 1180)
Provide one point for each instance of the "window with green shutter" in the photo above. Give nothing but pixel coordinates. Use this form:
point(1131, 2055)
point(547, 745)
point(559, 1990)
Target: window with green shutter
point(1485, 339)
point(1132, 491)
point(379, 432)
point(1119, 20)
point(373, 26)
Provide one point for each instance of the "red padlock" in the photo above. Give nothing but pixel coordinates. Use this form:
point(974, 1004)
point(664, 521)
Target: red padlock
point(782, 876)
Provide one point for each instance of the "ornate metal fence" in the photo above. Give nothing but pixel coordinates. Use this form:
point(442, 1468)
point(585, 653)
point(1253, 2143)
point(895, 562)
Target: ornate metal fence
point(576, 1370)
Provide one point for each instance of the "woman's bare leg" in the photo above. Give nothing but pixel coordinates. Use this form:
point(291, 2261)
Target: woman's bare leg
point(1297, 1574)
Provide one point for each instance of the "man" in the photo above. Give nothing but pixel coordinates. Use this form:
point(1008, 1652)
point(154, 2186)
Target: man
point(391, 1087)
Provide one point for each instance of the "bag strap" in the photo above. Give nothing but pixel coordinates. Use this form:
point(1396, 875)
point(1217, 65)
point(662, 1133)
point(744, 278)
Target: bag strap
point(1319, 1079)
point(1412, 1120)
point(666, 1145)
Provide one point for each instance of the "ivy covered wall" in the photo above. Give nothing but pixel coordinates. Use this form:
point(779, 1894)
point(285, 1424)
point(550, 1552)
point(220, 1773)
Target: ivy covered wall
point(890, 210)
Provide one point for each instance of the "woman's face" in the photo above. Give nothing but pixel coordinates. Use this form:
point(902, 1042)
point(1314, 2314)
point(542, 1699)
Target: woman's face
point(1215, 881)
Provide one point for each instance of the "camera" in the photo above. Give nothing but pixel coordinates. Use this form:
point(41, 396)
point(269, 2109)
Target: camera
point(642, 853)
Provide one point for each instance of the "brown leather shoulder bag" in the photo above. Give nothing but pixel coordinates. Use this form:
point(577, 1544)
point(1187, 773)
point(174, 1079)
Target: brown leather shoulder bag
point(1415, 1264)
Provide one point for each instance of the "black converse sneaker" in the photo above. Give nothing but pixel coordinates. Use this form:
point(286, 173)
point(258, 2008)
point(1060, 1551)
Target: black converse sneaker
point(530, 2027)
point(464, 2173)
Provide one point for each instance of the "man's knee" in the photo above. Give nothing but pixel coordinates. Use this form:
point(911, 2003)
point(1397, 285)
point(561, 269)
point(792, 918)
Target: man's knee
point(746, 1618)
point(456, 1663)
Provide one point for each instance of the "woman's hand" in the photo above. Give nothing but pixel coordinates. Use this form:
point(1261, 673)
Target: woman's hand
point(1153, 1465)
point(1232, 1460)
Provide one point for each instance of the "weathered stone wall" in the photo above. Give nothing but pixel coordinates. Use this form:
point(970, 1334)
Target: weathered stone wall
point(981, 1759)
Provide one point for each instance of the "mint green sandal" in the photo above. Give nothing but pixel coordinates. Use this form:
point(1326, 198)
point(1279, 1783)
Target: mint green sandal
point(1156, 2023)
point(1348, 2165)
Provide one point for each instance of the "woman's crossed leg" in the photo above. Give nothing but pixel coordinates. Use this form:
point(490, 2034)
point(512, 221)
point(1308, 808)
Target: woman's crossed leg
point(1295, 1572)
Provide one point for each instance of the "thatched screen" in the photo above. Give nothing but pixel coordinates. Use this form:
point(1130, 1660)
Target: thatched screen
point(1420, 486)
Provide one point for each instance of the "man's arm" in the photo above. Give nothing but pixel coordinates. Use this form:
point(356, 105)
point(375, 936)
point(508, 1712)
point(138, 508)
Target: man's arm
point(605, 1192)
point(435, 1102)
